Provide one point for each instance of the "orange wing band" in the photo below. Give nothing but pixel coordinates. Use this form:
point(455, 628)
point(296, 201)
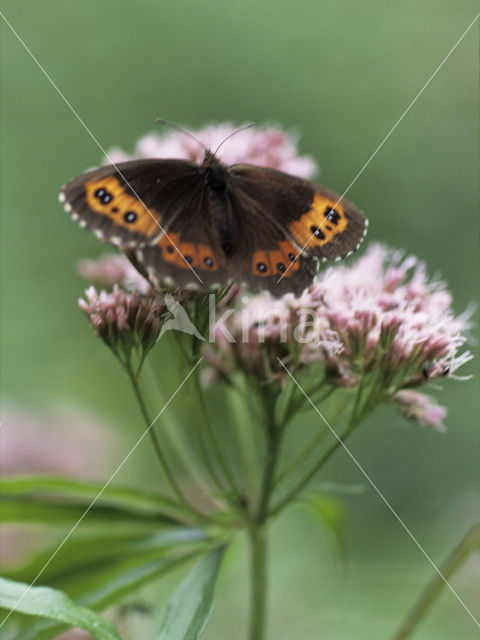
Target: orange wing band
point(109, 198)
point(187, 254)
point(325, 219)
point(281, 261)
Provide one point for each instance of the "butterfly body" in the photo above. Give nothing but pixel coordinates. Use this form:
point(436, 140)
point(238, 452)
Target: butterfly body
point(202, 225)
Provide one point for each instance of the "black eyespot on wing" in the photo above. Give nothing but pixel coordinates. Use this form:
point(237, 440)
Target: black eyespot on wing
point(317, 232)
point(103, 195)
point(332, 215)
point(130, 216)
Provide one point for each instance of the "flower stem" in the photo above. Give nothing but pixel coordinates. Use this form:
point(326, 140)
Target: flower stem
point(273, 435)
point(301, 458)
point(469, 543)
point(257, 529)
point(245, 441)
point(306, 479)
point(204, 450)
point(158, 448)
point(228, 475)
point(299, 461)
point(181, 444)
point(258, 576)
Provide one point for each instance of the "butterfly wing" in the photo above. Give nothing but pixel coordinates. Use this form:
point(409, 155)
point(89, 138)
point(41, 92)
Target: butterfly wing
point(200, 262)
point(279, 225)
point(132, 203)
point(265, 255)
point(259, 252)
point(314, 218)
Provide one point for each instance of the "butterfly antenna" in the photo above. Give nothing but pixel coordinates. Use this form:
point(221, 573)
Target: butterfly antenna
point(182, 130)
point(246, 126)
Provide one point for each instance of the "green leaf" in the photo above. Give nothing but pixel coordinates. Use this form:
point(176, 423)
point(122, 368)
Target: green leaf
point(77, 554)
point(101, 582)
point(53, 604)
point(70, 496)
point(34, 511)
point(99, 567)
point(190, 606)
point(329, 511)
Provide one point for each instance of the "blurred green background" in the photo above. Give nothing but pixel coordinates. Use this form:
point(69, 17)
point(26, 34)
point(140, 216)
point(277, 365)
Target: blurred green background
point(341, 73)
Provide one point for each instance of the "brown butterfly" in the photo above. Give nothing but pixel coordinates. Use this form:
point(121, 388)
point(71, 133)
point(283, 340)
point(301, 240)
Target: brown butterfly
point(202, 226)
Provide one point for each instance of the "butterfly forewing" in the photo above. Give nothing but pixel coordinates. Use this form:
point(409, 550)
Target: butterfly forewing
point(131, 203)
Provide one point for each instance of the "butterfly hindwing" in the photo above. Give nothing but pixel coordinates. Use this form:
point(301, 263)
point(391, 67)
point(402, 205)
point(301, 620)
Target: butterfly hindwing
point(188, 254)
point(320, 223)
point(265, 256)
point(331, 229)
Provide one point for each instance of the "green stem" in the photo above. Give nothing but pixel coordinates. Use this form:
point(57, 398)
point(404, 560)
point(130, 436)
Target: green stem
point(299, 406)
point(245, 441)
point(300, 459)
point(273, 448)
point(306, 479)
point(159, 451)
point(181, 444)
point(232, 485)
point(306, 453)
point(231, 493)
point(257, 530)
point(358, 398)
point(258, 574)
point(204, 453)
point(355, 419)
point(469, 543)
point(284, 403)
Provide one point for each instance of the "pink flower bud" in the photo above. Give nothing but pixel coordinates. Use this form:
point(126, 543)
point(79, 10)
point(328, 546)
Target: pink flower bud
point(420, 407)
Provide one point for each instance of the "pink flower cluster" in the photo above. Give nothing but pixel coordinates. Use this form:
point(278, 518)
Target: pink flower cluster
point(112, 269)
point(264, 146)
point(384, 303)
point(380, 312)
point(124, 320)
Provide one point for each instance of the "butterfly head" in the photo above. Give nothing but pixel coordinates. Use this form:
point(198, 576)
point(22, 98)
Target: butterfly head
point(215, 172)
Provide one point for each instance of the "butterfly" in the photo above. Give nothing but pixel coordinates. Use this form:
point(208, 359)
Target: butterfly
point(201, 226)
